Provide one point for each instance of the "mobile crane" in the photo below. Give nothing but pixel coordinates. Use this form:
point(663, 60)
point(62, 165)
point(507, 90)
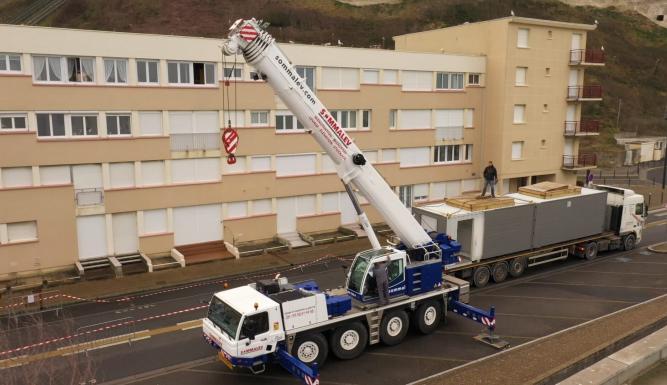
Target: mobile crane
point(297, 324)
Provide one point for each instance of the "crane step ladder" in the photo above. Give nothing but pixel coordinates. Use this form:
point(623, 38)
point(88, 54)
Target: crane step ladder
point(374, 319)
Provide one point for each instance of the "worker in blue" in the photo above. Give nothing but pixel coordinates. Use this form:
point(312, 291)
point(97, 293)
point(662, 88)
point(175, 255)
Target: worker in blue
point(490, 179)
point(381, 280)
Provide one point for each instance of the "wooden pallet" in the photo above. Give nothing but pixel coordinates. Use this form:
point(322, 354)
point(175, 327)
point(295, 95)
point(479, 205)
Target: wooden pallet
point(548, 190)
point(477, 203)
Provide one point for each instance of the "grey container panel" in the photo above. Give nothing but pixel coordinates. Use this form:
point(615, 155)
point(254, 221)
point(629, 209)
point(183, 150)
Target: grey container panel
point(441, 221)
point(507, 230)
point(562, 220)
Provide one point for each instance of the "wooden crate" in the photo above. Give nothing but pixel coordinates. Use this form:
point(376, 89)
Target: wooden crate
point(547, 190)
point(478, 203)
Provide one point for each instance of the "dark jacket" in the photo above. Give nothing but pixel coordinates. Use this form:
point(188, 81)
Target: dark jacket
point(490, 173)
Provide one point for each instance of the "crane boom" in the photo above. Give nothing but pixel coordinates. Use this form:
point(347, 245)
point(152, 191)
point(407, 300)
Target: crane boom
point(261, 51)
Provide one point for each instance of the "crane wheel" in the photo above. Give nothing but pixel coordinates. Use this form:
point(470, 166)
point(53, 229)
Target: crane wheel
point(349, 341)
point(428, 316)
point(311, 348)
point(481, 276)
point(394, 327)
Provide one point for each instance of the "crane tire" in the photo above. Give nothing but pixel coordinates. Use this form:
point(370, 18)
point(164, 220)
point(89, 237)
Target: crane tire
point(349, 341)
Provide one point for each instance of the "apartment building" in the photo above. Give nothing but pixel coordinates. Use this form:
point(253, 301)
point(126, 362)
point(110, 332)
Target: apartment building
point(534, 91)
point(110, 142)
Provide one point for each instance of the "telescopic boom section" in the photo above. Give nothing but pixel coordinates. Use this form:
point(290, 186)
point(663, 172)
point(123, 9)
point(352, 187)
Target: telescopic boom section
point(261, 51)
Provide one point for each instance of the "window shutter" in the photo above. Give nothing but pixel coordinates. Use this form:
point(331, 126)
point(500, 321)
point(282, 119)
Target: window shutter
point(150, 123)
point(415, 156)
point(261, 206)
point(54, 175)
point(295, 164)
point(17, 177)
point(305, 205)
point(155, 221)
point(415, 119)
point(152, 173)
point(206, 122)
point(121, 175)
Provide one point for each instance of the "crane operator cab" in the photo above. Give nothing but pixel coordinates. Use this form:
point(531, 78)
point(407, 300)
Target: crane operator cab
point(404, 277)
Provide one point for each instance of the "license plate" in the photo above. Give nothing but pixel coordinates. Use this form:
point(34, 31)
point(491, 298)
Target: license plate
point(224, 360)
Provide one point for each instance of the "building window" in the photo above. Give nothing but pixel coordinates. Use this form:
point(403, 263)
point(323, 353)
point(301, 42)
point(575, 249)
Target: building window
point(84, 125)
point(417, 80)
point(547, 71)
point(259, 118)
point(449, 153)
point(287, 121)
point(468, 156)
point(47, 68)
point(233, 73)
point(50, 125)
point(308, 74)
point(150, 123)
point(346, 118)
point(517, 150)
point(115, 70)
point(392, 118)
point(118, 125)
point(80, 69)
point(17, 177)
point(340, 78)
point(191, 73)
point(519, 113)
point(449, 81)
point(10, 62)
point(13, 122)
point(366, 119)
point(473, 79)
point(21, 231)
point(520, 78)
point(147, 71)
point(371, 76)
point(522, 38)
point(389, 77)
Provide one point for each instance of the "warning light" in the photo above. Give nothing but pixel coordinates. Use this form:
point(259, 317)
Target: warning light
point(225, 285)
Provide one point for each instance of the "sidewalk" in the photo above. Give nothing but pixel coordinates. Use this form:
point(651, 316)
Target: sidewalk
point(105, 288)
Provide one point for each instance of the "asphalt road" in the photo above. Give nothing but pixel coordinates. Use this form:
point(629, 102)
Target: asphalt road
point(545, 300)
point(656, 173)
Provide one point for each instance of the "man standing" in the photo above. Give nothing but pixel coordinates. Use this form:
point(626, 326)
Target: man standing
point(381, 280)
point(490, 179)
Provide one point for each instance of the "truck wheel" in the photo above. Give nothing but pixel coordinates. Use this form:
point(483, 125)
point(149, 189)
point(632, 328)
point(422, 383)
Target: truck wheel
point(311, 348)
point(394, 327)
point(349, 341)
point(629, 242)
point(500, 270)
point(591, 251)
point(428, 316)
point(481, 276)
point(517, 267)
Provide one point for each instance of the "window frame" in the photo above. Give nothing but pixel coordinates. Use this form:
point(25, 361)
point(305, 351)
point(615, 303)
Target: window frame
point(191, 73)
point(296, 126)
point(47, 69)
point(78, 60)
point(308, 79)
point(471, 75)
point(115, 70)
point(84, 120)
point(5, 236)
point(259, 113)
point(344, 118)
point(146, 64)
point(521, 143)
point(227, 75)
point(523, 115)
point(445, 80)
point(8, 63)
point(50, 116)
point(450, 153)
point(117, 116)
point(518, 34)
point(13, 117)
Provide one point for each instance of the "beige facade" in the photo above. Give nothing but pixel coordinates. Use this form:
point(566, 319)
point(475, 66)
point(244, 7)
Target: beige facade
point(533, 93)
point(110, 142)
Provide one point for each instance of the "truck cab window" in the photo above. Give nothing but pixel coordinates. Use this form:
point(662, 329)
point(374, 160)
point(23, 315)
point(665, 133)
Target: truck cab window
point(394, 270)
point(639, 209)
point(254, 325)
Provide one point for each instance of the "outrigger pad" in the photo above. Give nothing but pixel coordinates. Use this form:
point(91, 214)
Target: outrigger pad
point(492, 340)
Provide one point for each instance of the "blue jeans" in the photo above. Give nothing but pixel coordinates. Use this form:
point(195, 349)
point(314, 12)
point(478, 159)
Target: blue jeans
point(489, 183)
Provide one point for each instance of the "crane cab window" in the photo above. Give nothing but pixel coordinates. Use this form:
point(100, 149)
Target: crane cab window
point(254, 325)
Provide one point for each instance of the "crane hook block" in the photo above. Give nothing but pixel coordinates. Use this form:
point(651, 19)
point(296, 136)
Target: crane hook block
point(231, 159)
point(358, 159)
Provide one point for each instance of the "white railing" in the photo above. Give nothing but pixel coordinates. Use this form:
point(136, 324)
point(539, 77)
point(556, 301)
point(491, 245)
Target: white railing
point(89, 196)
point(195, 142)
point(448, 133)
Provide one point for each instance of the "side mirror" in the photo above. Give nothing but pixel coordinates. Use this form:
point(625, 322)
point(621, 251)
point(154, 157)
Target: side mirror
point(645, 213)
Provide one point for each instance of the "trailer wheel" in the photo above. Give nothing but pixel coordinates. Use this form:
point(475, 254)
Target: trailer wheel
point(517, 267)
point(349, 341)
point(629, 242)
point(311, 348)
point(394, 327)
point(500, 270)
point(428, 316)
point(481, 276)
point(591, 251)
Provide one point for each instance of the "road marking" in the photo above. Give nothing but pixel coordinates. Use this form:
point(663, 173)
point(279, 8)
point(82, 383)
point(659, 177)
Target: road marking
point(596, 300)
point(656, 224)
point(621, 273)
point(416, 357)
point(187, 325)
point(597, 285)
point(544, 316)
point(474, 334)
point(661, 214)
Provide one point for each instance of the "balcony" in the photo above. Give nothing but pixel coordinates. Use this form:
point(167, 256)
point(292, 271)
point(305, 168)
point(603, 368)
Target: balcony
point(195, 142)
point(584, 93)
point(591, 57)
point(579, 162)
point(582, 128)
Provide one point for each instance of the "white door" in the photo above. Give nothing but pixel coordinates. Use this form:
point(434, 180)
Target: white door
point(197, 224)
point(574, 78)
point(125, 236)
point(92, 236)
point(347, 212)
point(286, 215)
point(576, 55)
point(576, 41)
point(569, 147)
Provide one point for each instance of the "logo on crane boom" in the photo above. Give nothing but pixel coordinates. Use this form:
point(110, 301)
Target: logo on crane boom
point(331, 122)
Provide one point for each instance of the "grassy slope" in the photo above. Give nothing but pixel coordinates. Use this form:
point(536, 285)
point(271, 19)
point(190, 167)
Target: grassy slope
point(636, 49)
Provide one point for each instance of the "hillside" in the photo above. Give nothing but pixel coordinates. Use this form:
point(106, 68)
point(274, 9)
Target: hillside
point(636, 48)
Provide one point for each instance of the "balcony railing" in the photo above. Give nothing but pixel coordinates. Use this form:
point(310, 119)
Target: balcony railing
point(583, 127)
point(579, 161)
point(89, 196)
point(584, 92)
point(195, 142)
point(587, 56)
